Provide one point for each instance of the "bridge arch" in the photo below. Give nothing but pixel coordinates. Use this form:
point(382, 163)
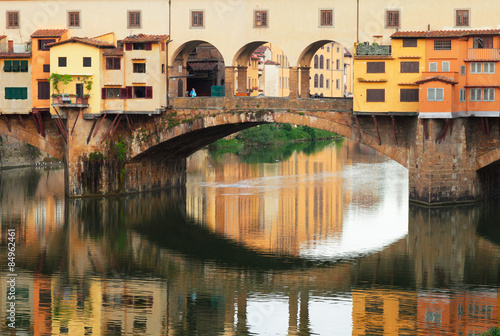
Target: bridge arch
point(52, 146)
point(183, 140)
point(488, 158)
point(305, 58)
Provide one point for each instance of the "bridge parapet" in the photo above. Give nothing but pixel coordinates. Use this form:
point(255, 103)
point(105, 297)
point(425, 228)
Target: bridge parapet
point(266, 103)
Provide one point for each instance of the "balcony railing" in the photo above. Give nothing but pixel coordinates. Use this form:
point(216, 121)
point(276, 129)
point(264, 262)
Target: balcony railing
point(70, 100)
point(490, 54)
point(15, 48)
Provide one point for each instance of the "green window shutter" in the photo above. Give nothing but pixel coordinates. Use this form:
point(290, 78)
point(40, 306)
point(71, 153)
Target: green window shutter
point(7, 66)
point(8, 93)
point(22, 93)
point(15, 66)
point(16, 93)
point(24, 66)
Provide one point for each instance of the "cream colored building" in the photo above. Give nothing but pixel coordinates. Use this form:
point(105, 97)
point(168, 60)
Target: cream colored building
point(327, 71)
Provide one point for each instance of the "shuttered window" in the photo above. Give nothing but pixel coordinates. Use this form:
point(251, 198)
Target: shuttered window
point(463, 95)
point(392, 19)
point(113, 63)
point(197, 19)
point(142, 92)
point(483, 42)
point(7, 66)
point(87, 62)
point(475, 94)
point(476, 67)
point(375, 67)
point(134, 19)
point(408, 95)
point(435, 94)
point(445, 66)
point(433, 67)
point(375, 95)
point(462, 18)
point(409, 43)
point(12, 20)
point(16, 93)
point(62, 62)
point(442, 45)
point(43, 90)
point(409, 67)
point(326, 18)
point(74, 19)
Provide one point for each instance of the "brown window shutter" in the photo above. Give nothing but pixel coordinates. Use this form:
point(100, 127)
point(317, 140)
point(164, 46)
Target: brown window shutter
point(409, 43)
point(124, 93)
point(375, 95)
point(130, 92)
point(147, 46)
point(409, 95)
point(375, 67)
point(149, 92)
point(103, 93)
point(128, 46)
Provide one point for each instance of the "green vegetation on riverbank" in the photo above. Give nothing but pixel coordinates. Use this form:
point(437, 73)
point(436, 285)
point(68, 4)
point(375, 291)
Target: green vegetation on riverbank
point(494, 331)
point(268, 134)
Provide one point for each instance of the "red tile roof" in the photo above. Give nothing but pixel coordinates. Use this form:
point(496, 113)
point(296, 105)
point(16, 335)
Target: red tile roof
point(373, 57)
point(144, 38)
point(438, 78)
point(49, 33)
point(445, 33)
point(2, 37)
point(113, 52)
point(15, 55)
point(203, 66)
point(84, 40)
point(271, 62)
point(261, 50)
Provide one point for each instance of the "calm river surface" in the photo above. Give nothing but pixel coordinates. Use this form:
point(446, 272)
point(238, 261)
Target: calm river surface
point(311, 239)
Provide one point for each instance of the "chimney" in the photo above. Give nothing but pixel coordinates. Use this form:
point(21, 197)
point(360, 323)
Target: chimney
point(10, 46)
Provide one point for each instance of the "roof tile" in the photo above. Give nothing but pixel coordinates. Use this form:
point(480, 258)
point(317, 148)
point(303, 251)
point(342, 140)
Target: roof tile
point(84, 40)
point(113, 52)
point(15, 55)
point(438, 78)
point(49, 33)
point(144, 38)
point(445, 33)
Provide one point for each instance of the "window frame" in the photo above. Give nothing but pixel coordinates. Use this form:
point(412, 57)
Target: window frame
point(442, 44)
point(461, 24)
point(43, 42)
point(490, 66)
point(12, 93)
point(431, 64)
point(474, 94)
point(78, 19)
point(62, 61)
point(264, 19)
point(447, 63)
point(479, 42)
point(136, 66)
point(463, 70)
point(374, 66)
point(390, 21)
point(43, 90)
point(198, 14)
point(326, 18)
point(463, 95)
point(113, 92)
point(111, 63)
point(87, 62)
point(138, 17)
point(413, 67)
point(407, 44)
point(473, 68)
point(490, 91)
point(15, 17)
point(405, 93)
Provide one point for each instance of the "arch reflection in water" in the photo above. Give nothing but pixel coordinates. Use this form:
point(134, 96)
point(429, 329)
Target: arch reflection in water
point(143, 265)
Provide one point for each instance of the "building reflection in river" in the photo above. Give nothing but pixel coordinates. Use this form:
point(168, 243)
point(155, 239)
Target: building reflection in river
point(139, 266)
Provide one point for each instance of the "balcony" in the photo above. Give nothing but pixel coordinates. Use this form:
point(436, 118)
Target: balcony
point(15, 48)
point(70, 100)
point(373, 50)
point(483, 54)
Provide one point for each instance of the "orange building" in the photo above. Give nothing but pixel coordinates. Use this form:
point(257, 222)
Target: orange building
point(460, 78)
point(41, 65)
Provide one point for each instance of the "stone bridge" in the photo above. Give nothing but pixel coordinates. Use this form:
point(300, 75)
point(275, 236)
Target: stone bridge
point(448, 161)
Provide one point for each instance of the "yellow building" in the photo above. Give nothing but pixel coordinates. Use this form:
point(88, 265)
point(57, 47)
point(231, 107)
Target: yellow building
point(385, 76)
point(327, 71)
point(15, 77)
point(75, 65)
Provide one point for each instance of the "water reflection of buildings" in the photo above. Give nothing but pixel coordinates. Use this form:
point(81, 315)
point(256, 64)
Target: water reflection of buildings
point(270, 207)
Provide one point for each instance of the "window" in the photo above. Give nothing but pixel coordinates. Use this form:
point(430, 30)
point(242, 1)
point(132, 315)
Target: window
point(327, 49)
point(392, 19)
point(488, 94)
point(316, 61)
point(326, 18)
point(463, 95)
point(46, 68)
point(16, 93)
point(442, 44)
point(138, 46)
point(408, 95)
point(375, 95)
point(445, 66)
point(409, 67)
point(327, 64)
point(321, 80)
point(139, 67)
point(375, 67)
point(111, 93)
point(433, 67)
point(338, 65)
point(321, 62)
point(134, 19)
point(15, 66)
point(79, 89)
point(87, 62)
point(316, 80)
point(475, 94)
point(12, 20)
point(476, 68)
point(62, 62)
point(42, 44)
point(197, 19)
point(462, 70)
point(260, 19)
point(483, 42)
point(337, 84)
point(7, 66)
point(43, 90)
point(113, 63)
point(409, 43)
point(462, 18)
point(143, 92)
point(74, 19)
point(23, 66)
point(435, 94)
point(327, 84)
point(489, 68)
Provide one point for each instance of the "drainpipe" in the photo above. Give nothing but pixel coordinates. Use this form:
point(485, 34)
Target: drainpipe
point(357, 21)
point(168, 42)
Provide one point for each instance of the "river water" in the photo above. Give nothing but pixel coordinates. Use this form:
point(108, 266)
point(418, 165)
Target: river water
point(307, 239)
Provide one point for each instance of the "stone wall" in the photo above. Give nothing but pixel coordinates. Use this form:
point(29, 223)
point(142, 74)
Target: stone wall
point(15, 153)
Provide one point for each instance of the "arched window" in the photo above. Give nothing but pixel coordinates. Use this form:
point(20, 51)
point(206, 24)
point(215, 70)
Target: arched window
point(316, 80)
point(321, 62)
point(321, 81)
point(315, 61)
